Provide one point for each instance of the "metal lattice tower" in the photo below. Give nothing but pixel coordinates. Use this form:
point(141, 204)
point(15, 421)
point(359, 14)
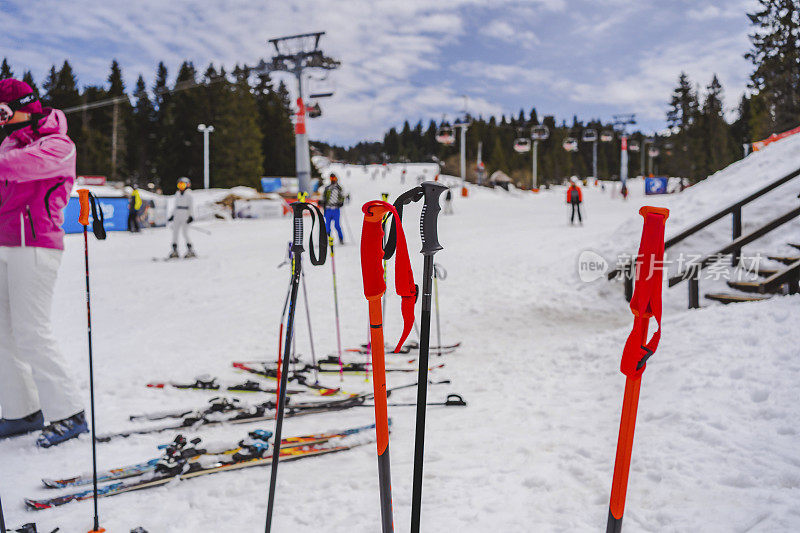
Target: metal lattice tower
point(294, 54)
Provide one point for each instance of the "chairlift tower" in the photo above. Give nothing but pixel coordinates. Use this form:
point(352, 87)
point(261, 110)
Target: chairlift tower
point(621, 121)
point(295, 54)
point(540, 132)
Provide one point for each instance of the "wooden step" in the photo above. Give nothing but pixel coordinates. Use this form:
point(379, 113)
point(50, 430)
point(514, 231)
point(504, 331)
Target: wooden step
point(728, 298)
point(746, 286)
point(785, 259)
point(754, 286)
point(767, 272)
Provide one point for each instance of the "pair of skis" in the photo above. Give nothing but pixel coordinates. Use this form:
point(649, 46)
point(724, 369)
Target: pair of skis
point(185, 460)
point(373, 252)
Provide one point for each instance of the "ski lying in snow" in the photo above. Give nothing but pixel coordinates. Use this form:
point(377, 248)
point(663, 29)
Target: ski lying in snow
point(331, 365)
point(191, 450)
point(178, 468)
point(263, 370)
point(230, 411)
point(207, 383)
point(236, 414)
point(364, 349)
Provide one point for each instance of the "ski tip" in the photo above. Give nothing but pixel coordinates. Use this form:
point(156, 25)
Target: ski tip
point(36, 505)
point(55, 484)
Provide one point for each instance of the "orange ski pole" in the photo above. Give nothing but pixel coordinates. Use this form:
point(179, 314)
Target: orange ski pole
point(373, 272)
point(645, 304)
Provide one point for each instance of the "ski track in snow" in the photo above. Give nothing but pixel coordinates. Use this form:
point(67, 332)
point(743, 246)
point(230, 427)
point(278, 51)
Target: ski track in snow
point(716, 445)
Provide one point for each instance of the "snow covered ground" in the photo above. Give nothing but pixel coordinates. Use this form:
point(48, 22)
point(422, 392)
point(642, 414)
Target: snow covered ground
point(717, 446)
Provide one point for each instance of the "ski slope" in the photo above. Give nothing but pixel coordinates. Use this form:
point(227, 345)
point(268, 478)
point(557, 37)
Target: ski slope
point(716, 448)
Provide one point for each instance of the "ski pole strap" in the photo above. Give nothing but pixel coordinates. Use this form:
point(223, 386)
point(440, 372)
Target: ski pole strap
point(413, 195)
point(646, 300)
point(316, 218)
point(89, 201)
point(372, 255)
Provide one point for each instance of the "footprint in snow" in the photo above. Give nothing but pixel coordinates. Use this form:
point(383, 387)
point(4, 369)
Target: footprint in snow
point(759, 396)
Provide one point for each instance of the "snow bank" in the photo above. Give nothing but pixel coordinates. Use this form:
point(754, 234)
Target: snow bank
point(719, 191)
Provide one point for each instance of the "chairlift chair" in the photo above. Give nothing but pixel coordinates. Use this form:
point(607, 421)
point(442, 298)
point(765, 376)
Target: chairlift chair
point(607, 136)
point(589, 135)
point(540, 133)
point(522, 145)
point(445, 135)
point(570, 144)
point(314, 110)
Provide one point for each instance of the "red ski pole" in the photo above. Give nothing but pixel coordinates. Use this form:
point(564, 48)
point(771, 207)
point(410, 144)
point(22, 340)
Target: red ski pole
point(645, 304)
point(372, 270)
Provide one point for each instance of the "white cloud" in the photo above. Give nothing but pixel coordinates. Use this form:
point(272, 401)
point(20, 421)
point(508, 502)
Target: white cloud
point(504, 31)
point(411, 59)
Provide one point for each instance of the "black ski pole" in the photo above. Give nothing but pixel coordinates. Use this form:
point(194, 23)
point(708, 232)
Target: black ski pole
point(2, 520)
point(87, 201)
point(430, 245)
point(297, 250)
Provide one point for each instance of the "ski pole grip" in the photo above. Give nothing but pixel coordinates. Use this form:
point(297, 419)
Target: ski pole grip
point(428, 224)
point(297, 212)
point(372, 249)
point(83, 197)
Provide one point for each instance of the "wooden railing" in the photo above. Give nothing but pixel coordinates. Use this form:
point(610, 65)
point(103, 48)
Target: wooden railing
point(735, 209)
point(693, 270)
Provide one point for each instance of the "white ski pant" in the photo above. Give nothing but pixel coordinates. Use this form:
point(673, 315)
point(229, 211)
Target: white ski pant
point(33, 373)
point(179, 225)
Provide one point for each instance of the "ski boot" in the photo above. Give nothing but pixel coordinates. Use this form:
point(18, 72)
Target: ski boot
point(189, 252)
point(11, 427)
point(174, 253)
point(63, 430)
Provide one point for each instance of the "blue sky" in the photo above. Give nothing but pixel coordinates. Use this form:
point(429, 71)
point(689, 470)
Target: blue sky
point(412, 59)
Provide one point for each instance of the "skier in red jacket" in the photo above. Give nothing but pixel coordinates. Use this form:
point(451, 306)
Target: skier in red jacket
point(575, 199)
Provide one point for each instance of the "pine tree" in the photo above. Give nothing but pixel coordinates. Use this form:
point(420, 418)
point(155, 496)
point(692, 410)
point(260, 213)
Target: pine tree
point(5, 70)
point(716, 143)
point(180, 151)
point(28, 78)
point(141, 136)
point(776, 57)
point(119, 116)
point(237, 139)
point(275, 120)
point(681, 119)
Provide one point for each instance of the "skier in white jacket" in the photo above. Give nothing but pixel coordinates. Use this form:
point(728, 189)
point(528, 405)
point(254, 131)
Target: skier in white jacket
point(182, 216)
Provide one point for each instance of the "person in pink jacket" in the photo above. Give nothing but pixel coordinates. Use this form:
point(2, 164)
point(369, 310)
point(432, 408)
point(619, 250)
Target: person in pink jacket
point(37, 172)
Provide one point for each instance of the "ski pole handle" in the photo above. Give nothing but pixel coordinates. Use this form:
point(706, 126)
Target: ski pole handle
point(372, 254)
point(83, 197)
point(428, 224)
point(297, 211)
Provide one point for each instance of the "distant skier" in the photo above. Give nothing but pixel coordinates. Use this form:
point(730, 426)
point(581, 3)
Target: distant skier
point(37, 172)
point(575, 199)
point(448, 202)
point(134, 208)
point(333, 198)
point(182, 216)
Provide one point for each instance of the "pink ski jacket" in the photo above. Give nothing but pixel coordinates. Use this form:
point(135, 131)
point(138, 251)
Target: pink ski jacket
point(37, 171)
